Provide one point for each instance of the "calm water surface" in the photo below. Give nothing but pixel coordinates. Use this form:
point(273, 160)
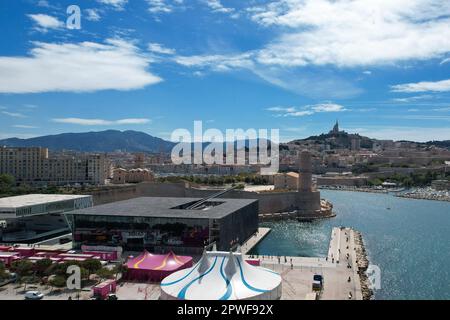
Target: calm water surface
point(410, 242)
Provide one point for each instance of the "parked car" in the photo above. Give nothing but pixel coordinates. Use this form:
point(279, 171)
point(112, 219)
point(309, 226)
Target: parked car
point(318, 277)
point(33, 295)
point(317, 282)
point(112, 296)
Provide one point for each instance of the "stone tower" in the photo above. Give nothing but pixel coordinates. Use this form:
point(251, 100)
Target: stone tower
point(308, 200)
point(305, 172)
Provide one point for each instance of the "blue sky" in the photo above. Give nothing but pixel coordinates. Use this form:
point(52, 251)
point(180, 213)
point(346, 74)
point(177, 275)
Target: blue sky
point(380, 67)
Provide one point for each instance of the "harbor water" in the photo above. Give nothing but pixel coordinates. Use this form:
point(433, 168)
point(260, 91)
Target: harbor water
point(408, 239)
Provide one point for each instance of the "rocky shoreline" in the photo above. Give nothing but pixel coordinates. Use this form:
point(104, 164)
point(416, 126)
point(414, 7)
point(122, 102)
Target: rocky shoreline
point(426, 194)
point(362, 263)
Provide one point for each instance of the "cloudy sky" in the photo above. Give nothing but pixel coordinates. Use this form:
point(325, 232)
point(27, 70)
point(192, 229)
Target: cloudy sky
point(382, 68)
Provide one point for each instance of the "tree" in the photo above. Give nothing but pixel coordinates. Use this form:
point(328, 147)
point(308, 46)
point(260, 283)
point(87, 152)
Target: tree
point(7, 182)
point(3, 273)
point(6, 179)
point(375, 182)
point(92, 265)
point(57, 281)
point(28, 280)
point(105, 273)
point(42, 265)
point(23, 268)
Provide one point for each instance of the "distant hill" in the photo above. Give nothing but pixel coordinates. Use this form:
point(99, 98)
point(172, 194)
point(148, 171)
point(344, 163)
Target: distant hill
point(442, 144)
point(343, 140)
point(103, 141)
point(337, 140)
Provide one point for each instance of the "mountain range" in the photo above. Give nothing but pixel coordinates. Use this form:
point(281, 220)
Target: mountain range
point(102, 141)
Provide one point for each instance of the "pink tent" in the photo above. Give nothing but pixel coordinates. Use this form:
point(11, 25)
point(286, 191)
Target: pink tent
point(154, 268)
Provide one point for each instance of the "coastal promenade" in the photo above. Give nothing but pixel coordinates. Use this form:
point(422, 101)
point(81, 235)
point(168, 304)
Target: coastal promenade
point(254, 240)
point(340, 271)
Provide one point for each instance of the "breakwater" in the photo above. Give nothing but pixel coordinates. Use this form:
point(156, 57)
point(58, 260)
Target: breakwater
point(362, 262)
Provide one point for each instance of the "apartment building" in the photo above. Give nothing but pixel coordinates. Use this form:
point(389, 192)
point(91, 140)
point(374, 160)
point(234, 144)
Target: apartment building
point(35, 166)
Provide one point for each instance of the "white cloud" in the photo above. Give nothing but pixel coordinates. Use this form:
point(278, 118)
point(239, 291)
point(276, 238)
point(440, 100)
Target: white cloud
point(317, 85)
point(44, 22)
point(159, 6)
point(328, 107)
point(77, 67)
point(306, 110)
point(13, 114)
point(299, 113)
point(281, 109)
point(21, 126)
point(351, 33)
point(424, 86)
point(133, 121)
point(445, 109)
point(101, 122)
point(414, 98)
point(92, 15)
point(116, 4)
point(447, 60)
point(46, 4)
point(217, 6)
point(158, 48)
point(217, 62)
point(344, 33)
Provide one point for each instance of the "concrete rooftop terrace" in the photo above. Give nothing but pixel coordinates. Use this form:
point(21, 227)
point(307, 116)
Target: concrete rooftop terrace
point(165, 207)
point(35, 199)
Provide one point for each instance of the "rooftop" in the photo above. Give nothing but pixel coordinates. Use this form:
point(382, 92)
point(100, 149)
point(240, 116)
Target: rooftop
point(166, 207)
point(35, 199)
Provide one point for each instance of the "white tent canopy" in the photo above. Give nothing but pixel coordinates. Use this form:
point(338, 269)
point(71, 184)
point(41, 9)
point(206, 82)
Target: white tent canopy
point(222, 276)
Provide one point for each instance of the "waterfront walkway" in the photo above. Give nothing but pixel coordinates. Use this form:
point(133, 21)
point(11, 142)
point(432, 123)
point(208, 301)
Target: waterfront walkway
point(337, 268)
point(254, 240)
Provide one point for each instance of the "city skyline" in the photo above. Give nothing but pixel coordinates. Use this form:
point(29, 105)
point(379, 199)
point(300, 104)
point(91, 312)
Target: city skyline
point(155, 66)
